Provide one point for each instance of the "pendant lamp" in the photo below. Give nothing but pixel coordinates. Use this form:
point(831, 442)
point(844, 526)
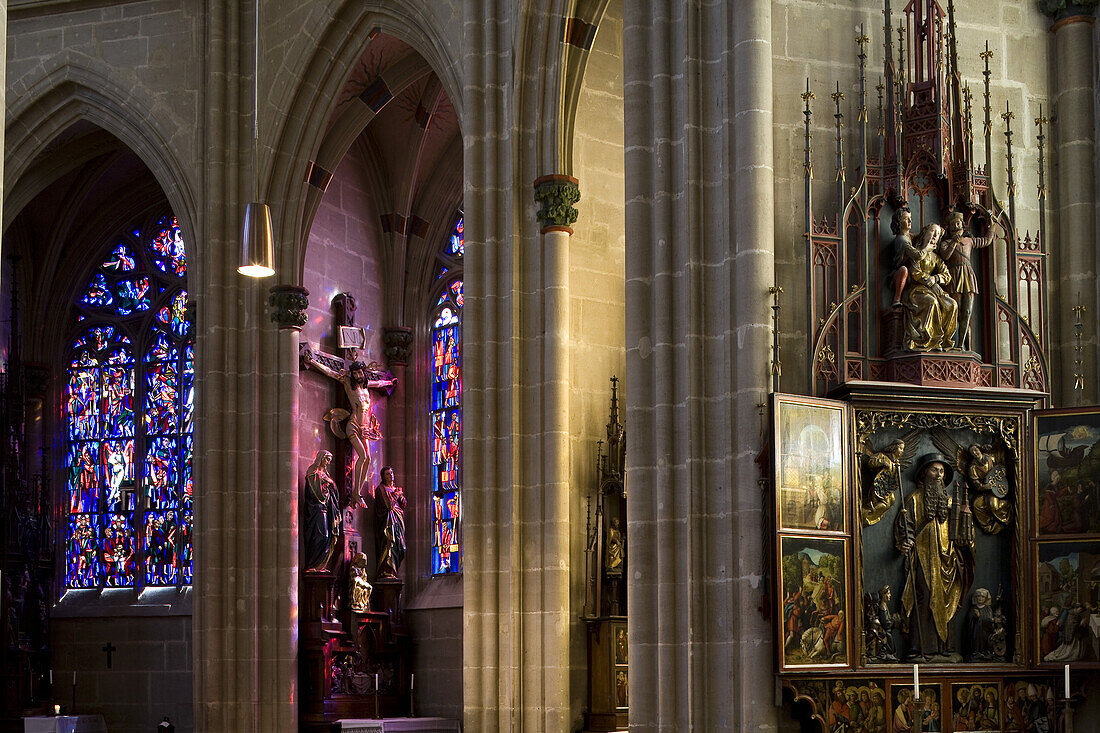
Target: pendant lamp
point(257, 240)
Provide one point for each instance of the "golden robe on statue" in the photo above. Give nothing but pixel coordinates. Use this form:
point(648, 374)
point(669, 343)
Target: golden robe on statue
point(931, 314)
point(936, 579)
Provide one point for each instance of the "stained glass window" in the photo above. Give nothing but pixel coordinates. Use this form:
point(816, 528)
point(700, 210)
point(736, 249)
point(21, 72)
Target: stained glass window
point(445, 411)
point(128, 409)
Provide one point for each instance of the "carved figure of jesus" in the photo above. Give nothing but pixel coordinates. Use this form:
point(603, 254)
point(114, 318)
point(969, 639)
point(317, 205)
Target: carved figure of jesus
point(362, 424)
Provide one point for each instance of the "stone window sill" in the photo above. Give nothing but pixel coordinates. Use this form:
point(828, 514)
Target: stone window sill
point(90, 603)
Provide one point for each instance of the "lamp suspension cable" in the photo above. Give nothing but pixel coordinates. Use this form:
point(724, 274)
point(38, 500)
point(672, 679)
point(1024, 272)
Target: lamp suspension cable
point(257, 241)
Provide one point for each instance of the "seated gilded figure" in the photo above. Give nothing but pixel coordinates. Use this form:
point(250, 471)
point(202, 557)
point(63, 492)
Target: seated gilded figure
point(930, 313)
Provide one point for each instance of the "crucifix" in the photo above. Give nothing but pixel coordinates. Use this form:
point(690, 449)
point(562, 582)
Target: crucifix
point(359, 424)
point(110, 649)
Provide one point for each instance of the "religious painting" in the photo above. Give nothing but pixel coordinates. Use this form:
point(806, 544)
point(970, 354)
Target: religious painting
point(814, 607)
point(1030, 705)
point(901, 710)
point(929, 713)
point(622, 689)
point(1068, 587)
point(976, 707)
point(1067, 471)
point(850, 704)
point(810, 466)
point(620, 645)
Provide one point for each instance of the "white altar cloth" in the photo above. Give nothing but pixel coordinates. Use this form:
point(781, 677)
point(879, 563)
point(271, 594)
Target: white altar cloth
point(64, 724)
point(398, 725)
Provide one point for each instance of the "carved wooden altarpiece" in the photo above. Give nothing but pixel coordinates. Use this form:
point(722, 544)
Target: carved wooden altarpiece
point(605, 582)
point(930, 518)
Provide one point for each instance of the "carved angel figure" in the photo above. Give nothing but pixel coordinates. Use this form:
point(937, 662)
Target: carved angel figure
point(888, 464)
point(983, 465)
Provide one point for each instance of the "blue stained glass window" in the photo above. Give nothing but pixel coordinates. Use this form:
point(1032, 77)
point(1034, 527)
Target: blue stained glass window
point(457, 244)
point(97, 295)
point(168, 248)
point(121, 260)
point(129, 409)
point(445, 414)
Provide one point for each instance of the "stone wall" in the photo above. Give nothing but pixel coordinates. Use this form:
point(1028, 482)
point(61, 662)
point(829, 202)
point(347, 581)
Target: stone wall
point(341, 257)
point(150, 674)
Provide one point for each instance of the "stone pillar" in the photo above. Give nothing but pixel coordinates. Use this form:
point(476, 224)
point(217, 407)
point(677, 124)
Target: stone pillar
point(1075, 248)
point(699, 262)
point(279, 493)
point(544, 509)
point(246, 547)
point(490, 615)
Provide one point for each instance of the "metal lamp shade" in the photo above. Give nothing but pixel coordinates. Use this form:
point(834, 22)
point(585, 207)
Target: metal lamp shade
point(258, 243)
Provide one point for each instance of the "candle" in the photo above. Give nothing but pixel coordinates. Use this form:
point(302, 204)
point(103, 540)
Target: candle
point(57, 710)
point(74, 678)
point(51, 676)
point(1067, 681)
point(916, 682)
point(376, 682)
point(412, 680)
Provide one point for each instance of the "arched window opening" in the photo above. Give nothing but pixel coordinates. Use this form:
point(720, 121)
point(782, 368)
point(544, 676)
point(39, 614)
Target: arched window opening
point(129, 407)
point(445, 411)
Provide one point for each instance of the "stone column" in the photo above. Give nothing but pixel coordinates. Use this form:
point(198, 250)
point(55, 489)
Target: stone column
point(699, 262)
point(544, 504)
point(490, 612)
point(1075, 248)
point(245, 622)
point(278, 527)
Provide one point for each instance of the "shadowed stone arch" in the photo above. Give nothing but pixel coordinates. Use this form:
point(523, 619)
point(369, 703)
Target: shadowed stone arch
point(73, 93)
point(305, 133)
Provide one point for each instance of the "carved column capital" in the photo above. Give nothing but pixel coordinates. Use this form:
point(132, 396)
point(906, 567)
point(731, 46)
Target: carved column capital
point(556, 195)
point(397, 344)
point(288, 306)
point(1061, 10)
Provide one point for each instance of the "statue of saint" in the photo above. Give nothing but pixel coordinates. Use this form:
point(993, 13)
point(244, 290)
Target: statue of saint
point(900, 224)
point(359, 588)
point(980, 627)
point(878, 626)
point(362, 425)
point(983, 466)
point(323, 520)
point(614, 551)
point(931, 314)
point(389, 511)
point(955, 249)
point(936, 537)
point(888, 464)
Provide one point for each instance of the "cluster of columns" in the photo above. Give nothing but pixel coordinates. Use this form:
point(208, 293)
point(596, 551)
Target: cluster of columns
point(1073, 46)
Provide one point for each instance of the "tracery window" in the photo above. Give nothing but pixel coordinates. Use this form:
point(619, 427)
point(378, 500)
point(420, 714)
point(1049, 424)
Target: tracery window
point(445, 414)
point(129, 417)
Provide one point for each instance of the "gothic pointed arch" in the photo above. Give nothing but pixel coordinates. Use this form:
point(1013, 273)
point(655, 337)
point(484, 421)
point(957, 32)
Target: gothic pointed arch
point(318, 121)
point(40, 122)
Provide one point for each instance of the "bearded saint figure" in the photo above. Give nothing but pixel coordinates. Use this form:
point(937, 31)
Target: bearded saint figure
point(936, 536)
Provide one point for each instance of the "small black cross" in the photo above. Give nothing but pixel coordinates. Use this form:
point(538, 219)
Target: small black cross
point(110, 648)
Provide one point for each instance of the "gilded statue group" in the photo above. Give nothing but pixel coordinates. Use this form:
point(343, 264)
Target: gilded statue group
point(934, 532)
point(324, 509)
point(934, 282)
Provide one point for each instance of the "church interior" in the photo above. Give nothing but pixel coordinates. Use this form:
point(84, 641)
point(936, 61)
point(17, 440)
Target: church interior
point(550, 365)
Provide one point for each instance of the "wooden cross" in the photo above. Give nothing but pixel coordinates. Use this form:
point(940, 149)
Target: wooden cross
point(110, 649)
